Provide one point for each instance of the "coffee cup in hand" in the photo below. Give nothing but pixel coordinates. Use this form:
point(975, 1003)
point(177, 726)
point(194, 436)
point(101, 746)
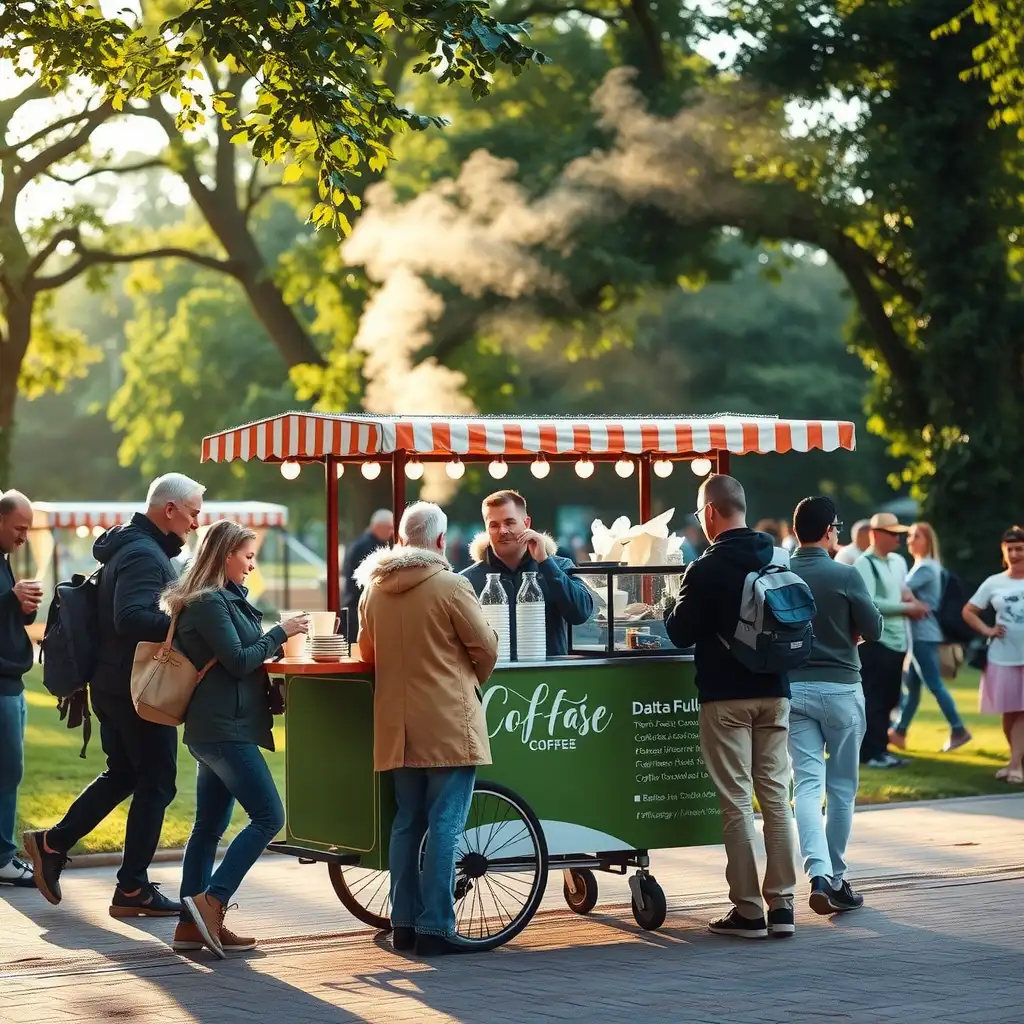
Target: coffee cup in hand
point(296, 624)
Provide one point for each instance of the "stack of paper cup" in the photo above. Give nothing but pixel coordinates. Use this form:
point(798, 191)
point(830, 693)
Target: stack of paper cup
point(294, 646)
point(531, 639)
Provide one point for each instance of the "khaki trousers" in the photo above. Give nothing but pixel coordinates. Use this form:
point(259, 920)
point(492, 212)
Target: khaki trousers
point(744, 743)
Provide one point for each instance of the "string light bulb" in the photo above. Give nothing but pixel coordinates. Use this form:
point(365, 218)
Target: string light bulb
point(370, 470)
point(82, 531)
point(701, 467)
point(290, 470)
point(584, 469)
point(662, 468)
point(498, 469)
point(625, 468)
point(540, 468)
point(414, 470)
point(456, 469)
point(339, 470)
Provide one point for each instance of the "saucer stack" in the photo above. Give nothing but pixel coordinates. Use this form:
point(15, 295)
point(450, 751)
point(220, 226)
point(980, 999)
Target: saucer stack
point(332, 647)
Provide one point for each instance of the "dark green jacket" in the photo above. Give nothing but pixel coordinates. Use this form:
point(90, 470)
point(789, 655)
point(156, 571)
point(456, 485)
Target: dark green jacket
point(230, 704)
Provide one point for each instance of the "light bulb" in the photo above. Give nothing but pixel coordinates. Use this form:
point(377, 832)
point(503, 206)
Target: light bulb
point(662, 468)
point(82, 531)
point(584, 469)
point(290, 470)
point(624, 467)
point(540, 468)
point(370, 470)
point(339, 470)
point(701, 467)
point(414, 470)
point(498, 469)
point(455, 469)
point(97, 531)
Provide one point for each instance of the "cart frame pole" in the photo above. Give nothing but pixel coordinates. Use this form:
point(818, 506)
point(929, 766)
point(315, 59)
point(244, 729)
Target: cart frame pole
point(643, 465)
point(721, 463)
point(333, 566)
point(398, 486)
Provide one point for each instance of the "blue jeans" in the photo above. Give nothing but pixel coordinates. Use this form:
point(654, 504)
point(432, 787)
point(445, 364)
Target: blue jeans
point(12, 768)
point(228, 772)
point(924, 667)
point(432, 802)
point(825, 718)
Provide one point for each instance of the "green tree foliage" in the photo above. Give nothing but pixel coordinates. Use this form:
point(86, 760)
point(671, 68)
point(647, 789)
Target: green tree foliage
point(318, 99)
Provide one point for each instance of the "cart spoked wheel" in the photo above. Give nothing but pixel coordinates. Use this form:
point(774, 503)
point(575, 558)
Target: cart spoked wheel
point(651, 915)
point(501, 868)
point(584, 881)
point(364, 892)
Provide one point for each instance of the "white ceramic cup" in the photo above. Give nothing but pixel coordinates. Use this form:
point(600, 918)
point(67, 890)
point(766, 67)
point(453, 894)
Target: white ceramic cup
point(323, 623)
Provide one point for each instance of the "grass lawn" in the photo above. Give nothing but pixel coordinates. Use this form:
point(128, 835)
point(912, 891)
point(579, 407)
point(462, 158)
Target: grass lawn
point(54, 773)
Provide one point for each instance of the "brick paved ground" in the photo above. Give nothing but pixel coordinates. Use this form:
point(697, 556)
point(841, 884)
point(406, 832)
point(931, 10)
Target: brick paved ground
point(940, 941)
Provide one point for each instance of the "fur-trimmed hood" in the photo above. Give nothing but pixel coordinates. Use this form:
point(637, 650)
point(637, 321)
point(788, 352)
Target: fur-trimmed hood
point(398, 569)
point(478, 546)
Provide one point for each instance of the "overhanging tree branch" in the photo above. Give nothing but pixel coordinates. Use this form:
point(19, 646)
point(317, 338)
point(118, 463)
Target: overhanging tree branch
point(65, 147)
point(142, 165)
point(14, 148)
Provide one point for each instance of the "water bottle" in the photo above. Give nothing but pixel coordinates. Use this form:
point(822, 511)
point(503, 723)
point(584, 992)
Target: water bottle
point(494, 603)
point(531, 633)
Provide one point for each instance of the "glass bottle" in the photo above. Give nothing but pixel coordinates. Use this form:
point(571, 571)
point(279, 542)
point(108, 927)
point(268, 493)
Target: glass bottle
point(494, 603)
point(531, 632)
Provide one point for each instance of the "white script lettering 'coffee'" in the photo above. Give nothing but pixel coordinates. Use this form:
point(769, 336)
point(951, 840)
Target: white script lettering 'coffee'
point(513, 713)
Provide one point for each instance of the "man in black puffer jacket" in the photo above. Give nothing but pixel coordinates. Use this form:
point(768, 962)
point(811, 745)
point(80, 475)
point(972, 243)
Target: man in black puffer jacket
point(744, 716)
point(141, 756)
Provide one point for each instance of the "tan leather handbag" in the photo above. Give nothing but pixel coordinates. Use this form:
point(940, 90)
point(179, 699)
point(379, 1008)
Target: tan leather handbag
point(163, 680)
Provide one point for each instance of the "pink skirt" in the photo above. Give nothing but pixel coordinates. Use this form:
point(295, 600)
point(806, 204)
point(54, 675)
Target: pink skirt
point(1002, 689)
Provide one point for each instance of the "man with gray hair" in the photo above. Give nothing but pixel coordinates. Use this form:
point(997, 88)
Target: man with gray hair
point(378, 535)
point(136, 566)
point(432, 649)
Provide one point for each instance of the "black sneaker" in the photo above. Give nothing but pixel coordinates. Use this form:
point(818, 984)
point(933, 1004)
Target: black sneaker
point(780, 923)
point(734, 923)
point(821, 896)
point(46, 866)
point(437, 945)
point(403, 940)
point(844, 898)
point(149, 901)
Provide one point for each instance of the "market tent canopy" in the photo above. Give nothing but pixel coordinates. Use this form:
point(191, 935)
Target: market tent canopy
point(72, 514)
point(306, 435)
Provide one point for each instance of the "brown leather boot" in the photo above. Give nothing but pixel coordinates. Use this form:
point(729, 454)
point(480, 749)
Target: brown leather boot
point(208, 916)
point(188, 939)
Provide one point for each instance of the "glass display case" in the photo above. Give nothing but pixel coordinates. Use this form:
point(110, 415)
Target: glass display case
point(630, 602)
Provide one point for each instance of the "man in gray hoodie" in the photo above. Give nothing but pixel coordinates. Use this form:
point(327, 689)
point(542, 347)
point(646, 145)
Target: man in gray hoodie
point(827, 705)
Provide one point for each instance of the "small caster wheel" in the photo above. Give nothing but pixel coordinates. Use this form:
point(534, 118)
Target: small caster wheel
point(652, 915)
point(584, 899)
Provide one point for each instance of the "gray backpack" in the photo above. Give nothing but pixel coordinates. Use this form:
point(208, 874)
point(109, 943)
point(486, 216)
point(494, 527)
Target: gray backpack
point(775, 632)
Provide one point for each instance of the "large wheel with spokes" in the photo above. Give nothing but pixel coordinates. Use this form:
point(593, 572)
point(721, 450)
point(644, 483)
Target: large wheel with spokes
point(501, 870)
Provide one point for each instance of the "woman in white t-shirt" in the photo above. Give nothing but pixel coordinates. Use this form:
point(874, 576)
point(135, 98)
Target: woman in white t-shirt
point(1002, 682)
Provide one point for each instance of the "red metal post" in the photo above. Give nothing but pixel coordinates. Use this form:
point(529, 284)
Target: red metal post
point(333, 566)
point(722, 463)
point(398, 487)
point(643, 471)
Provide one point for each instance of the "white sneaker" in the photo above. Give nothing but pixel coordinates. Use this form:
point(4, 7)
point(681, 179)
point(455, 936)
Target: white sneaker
point(18, 874)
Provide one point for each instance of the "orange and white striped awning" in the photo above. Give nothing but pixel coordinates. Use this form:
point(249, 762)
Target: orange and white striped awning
point(57, 515)
point(306, 435)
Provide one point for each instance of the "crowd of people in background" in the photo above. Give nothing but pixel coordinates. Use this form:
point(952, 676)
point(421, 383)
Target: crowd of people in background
point(878, 641)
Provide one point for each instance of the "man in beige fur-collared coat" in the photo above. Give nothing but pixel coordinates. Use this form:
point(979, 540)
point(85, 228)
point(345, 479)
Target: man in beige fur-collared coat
point(422, 629)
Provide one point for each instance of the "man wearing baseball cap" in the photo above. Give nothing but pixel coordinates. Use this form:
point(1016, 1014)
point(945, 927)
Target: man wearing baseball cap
point(884, 571)
point(860, 538)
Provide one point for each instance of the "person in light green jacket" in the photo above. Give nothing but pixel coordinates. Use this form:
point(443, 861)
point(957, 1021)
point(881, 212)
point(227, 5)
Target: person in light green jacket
point(885, 573)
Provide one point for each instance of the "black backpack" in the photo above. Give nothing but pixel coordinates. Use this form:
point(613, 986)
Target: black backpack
point(69, 650)
point(949, 612)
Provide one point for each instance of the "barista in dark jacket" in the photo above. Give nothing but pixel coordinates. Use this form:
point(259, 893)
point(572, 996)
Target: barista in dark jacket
point(18, 604)
point(744, 715)
point(141, 756)
point(379, 535)
point(227, 721)
point(510, 548)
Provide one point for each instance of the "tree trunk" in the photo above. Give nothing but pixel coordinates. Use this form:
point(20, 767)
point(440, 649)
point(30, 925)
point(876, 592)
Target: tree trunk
point(12, 352)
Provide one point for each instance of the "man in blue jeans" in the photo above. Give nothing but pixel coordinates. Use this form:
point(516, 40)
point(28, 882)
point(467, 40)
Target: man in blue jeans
point(422, 629)
point(18, 604)
point(827, 714)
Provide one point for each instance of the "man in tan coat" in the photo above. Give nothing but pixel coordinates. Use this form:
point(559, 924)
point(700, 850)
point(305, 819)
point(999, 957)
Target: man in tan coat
point(421, 626)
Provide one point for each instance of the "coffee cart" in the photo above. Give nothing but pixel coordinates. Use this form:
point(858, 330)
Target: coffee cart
point(596, 754)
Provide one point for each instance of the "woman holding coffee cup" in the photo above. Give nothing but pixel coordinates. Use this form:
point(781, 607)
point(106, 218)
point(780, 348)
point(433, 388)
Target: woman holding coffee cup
point(227, 722)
